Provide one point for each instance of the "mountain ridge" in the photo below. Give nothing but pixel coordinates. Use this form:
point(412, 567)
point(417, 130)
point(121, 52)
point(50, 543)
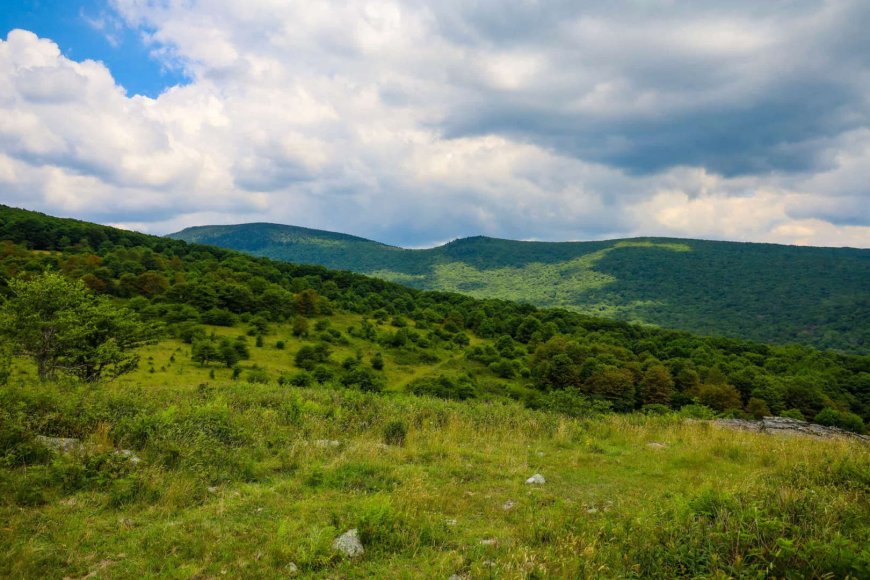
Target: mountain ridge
point(761, 291)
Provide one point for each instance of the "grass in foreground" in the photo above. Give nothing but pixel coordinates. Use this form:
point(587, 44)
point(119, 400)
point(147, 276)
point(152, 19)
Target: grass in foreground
point(252, 480)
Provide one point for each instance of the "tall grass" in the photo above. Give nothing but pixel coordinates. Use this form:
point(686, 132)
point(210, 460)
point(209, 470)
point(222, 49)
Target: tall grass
point(246, 479)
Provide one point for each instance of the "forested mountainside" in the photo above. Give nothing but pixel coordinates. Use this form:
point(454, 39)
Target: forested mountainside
point(458, 346)
point(764, 292)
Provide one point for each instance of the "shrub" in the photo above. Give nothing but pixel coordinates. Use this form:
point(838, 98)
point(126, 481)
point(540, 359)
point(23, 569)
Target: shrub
point(842, 419)
point(696, 411)
point(656, 409)
point(17, 445)
point(395, 432)
point(793, 414)
point(259, 376)
point(573, 403)
point(299, 379)
point(218, 317)
point(444, 388)
point(362, 379)
point(323, 374)
point(757, 408)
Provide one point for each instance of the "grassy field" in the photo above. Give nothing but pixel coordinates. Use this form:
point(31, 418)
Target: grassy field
point(257, 480)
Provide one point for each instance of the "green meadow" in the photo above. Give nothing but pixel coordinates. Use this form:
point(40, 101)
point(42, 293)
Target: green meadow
point(245, 479)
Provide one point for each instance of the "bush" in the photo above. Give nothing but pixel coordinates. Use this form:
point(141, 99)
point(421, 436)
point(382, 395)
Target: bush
point(259, 376)
point(655, 409)
point(18, 447)
point(395, 432)
point(323, 374)
point(842, 419)
point(573, 403)
point(793, 414)
point(757, 408)
point(299, 379)
point(218, 317)
point(696, 411)
point(444, 388)
point(362, 379)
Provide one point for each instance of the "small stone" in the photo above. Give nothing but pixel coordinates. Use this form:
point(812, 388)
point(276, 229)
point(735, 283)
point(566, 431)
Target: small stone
point(508, 505)
point(488, 542)
point(348, 544)
point(656, 445)
point(536, 479)
point(292, 569)
point(130, 455)
point(592, 510)
point(212, 489)
point(327, 443)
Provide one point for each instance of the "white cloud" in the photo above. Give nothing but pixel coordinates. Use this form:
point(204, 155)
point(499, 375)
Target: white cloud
point(412, 122)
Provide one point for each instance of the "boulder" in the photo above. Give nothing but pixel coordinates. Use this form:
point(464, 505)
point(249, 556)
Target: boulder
point(536, 479)
point(348, 544)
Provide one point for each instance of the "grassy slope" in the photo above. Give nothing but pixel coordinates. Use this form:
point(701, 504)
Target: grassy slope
point(765, 292)
point(232, 482)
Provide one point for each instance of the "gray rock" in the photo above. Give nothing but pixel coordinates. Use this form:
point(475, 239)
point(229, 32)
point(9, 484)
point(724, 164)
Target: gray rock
point(536, 479)
point(488, 542)
point(292, 569)
point(508, 505)
point(327, 443)
point(60, 444)
point(787, 426)
point(348, 544)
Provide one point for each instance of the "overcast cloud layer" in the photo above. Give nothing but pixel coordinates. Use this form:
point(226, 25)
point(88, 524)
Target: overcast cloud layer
point(415, 122)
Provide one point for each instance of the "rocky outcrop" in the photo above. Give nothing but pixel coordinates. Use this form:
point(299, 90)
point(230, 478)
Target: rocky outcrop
point(787, 426)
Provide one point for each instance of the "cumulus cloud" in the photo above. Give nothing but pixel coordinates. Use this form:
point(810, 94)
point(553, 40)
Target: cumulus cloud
point(412, 122)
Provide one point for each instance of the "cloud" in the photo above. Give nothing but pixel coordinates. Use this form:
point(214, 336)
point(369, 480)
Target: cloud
point(413, 122)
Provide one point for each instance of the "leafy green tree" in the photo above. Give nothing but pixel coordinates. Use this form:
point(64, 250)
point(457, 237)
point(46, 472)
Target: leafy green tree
point(65, 328)
point(300, 326)
point(204, 351)
point(657, 386)
point(719, 396)
point(757, 408)
point(615, 385)
point(308, 302)
point(228, 353)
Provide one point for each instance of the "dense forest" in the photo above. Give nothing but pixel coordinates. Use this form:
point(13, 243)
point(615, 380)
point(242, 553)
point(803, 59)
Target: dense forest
point(764, 292)
point(542, 357)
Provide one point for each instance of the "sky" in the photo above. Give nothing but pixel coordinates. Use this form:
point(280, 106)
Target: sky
point(416, 122)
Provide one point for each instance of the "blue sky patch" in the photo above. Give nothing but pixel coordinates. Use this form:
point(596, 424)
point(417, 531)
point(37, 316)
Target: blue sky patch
point(91, 30)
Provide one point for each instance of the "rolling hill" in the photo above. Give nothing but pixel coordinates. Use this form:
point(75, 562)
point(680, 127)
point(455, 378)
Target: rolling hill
point(766, 292)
